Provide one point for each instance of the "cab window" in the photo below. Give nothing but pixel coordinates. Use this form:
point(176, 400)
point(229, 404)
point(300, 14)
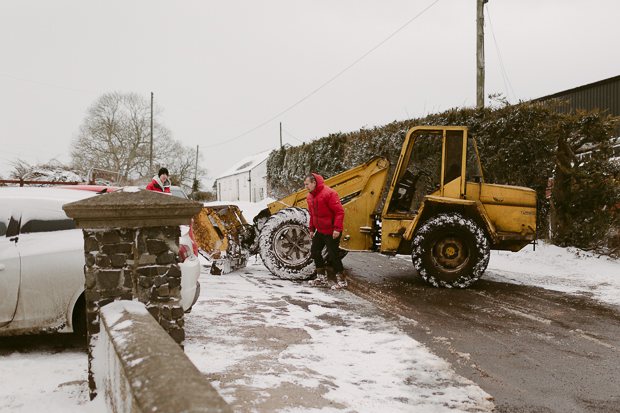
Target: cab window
point(422, 176)
point(454, 155)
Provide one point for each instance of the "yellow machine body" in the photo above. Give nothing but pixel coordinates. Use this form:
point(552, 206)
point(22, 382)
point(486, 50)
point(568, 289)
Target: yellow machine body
point(359, 190)
point(219, 232)
point(454, 184)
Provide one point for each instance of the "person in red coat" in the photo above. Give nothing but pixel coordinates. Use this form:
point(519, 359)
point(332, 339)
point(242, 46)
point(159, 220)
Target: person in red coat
point(160, 182)
point(326, 217)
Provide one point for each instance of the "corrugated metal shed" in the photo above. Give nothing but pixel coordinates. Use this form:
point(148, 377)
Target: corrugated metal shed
point(603, 95)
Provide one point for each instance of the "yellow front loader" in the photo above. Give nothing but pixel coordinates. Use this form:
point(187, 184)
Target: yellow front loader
point(224, 237)
point(436, 207)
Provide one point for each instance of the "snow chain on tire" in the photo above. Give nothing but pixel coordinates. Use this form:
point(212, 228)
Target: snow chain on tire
point(450, 251)
point(285, 244)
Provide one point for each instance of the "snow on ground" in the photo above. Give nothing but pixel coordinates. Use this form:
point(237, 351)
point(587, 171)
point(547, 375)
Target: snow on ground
point(274, 345)
point(561, 269)
point(46, 382)
point(569, 270)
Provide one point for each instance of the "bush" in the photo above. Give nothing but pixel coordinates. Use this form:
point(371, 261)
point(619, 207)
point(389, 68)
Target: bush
point(203, 196)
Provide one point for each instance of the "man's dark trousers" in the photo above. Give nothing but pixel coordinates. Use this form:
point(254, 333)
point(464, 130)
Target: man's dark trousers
point(333, 250)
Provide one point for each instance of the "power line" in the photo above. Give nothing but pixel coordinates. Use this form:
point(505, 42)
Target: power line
point(501, 61)
point(292, 136)
point(329, 81)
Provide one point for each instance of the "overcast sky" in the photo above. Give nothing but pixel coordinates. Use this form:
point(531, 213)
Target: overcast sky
point(220, 69)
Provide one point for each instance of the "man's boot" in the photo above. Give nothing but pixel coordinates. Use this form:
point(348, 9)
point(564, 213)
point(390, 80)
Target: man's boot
point(342, 281)
point(320, 280)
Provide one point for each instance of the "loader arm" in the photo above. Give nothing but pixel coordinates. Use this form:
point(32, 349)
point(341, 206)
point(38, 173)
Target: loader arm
point(359, 189)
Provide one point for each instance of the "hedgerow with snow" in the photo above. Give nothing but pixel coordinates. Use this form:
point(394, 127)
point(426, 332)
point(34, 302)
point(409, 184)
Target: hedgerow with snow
point(529, 144)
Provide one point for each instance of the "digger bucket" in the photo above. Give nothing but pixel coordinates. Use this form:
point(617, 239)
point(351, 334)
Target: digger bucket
point(221, 232)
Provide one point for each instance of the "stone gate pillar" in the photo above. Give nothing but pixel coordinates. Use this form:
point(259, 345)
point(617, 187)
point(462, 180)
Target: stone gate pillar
point(131, 251)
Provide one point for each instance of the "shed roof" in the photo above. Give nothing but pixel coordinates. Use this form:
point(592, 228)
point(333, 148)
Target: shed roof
point(246, 164)
point(578, 89)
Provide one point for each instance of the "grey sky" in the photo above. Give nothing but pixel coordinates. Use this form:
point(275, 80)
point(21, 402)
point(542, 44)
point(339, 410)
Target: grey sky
point(221, 68)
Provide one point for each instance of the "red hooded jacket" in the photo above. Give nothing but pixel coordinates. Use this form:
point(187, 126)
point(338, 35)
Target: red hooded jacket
point(326, 211)
point(156, 185)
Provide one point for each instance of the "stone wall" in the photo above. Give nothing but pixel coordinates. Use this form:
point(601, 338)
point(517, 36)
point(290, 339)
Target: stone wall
point(123, 263)
point(140, 369)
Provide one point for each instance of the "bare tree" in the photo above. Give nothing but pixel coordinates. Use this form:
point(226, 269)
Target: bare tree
point(181, 162)
point(115, 135)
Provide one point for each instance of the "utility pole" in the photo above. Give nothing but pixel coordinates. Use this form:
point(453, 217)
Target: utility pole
point(196, 170)
point(280, 135)
point(480, 55)
point(151, 157)
point(250, 183)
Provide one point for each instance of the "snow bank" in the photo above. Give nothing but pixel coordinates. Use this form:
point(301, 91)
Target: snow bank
point(568, 270)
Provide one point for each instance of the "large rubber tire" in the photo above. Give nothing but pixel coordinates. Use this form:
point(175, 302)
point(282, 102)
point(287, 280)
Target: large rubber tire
point(285, 244)
point(450, 251)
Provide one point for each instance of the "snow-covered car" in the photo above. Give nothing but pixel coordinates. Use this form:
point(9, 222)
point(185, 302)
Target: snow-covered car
point(190, 268)
point(42, 262)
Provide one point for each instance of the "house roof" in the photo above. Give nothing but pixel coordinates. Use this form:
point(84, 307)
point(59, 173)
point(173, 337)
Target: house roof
point(246, 164)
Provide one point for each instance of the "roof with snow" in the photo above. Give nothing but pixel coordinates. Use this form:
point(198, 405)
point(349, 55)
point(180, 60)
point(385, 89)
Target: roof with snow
point(246, 164)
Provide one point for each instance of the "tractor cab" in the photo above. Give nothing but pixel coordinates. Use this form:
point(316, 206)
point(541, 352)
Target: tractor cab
point(435, 161)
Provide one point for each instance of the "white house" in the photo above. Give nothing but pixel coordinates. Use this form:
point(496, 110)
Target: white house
point(244, 181)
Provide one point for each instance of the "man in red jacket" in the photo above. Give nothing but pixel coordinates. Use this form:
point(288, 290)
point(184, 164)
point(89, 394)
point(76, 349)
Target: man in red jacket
point(326, 216)
point(160, 182)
